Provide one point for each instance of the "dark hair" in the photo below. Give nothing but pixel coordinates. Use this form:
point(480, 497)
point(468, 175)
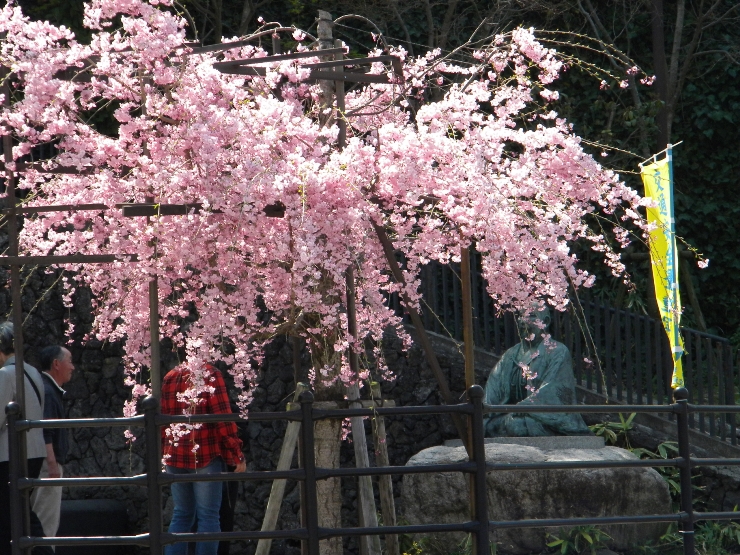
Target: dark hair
point(48, 355)
point(6, 338)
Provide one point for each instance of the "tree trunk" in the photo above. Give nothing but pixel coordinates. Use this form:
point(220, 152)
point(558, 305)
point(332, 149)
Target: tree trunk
point(246, 17)
point(327, 437)
point(218, 20)
point(661, 73)
point(444, 33)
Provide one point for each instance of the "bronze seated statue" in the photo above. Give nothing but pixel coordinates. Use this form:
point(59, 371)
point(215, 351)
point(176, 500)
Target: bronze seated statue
point(536, 371)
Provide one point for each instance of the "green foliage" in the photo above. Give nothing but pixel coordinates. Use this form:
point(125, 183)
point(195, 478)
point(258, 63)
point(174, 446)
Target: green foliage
point(717, 538)
point(711, 538)
point(406, 543)
point(411, 547)
point(671, 474)
point(706, 167)
point(427, 546)
point(615, 433)
point(670, 543)
point(577, 540)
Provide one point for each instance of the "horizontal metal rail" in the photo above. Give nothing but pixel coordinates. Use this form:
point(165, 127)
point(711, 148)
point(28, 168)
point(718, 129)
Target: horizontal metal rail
point(320, 414)
point(308, 475)
point(321, 474)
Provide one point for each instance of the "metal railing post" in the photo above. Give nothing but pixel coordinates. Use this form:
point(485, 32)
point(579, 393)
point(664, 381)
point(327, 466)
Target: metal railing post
point(13, 410)
point(681, 409)
point(311, 505)
point(153, 469)
point(482, 544)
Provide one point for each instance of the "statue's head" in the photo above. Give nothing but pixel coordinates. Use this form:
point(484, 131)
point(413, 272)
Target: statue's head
point(534, 322)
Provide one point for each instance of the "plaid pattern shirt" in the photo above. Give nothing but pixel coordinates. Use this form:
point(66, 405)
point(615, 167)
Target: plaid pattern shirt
point(196, 445)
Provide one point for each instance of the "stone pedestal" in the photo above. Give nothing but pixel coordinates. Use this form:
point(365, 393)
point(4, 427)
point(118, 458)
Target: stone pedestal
point(537, 494)
point(547, 443)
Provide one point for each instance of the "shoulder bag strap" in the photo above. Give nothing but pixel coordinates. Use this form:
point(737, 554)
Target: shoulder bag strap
point(35, 387)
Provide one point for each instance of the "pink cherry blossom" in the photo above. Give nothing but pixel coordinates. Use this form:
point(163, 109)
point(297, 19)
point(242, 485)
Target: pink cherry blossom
point(464, 170)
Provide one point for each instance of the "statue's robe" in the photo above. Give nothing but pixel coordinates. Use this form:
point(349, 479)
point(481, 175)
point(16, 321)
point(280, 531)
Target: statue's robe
point(551, 382)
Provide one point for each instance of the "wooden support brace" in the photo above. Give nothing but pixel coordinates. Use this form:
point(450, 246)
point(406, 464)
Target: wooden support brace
point(278, 486)
point(426, 345)
point(369, 545)
point(385, 483)
point(366, 498)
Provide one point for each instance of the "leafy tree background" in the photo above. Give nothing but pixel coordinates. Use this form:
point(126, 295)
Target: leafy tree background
point(705, 113)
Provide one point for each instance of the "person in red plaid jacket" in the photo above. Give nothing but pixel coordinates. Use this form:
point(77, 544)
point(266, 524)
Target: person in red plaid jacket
point(197, 449)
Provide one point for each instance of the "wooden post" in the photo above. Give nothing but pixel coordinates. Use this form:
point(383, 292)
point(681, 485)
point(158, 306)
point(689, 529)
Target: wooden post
point(385, 483)
point(339, 89)
point(324, 31)
point(15, 295)
point(365, 497)
point(155, 372)
point(369, 545)
point(467, 310)
point(278, 486)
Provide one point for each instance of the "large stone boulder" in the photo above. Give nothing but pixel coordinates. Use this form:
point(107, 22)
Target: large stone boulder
point(536, 494)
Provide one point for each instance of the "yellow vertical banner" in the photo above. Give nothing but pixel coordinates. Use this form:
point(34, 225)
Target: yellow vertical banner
point(658, 179)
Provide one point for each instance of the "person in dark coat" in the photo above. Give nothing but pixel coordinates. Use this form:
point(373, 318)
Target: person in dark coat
point(57, 368)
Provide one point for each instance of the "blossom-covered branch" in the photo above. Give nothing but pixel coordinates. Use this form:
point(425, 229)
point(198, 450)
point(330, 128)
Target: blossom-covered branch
point(489, 164)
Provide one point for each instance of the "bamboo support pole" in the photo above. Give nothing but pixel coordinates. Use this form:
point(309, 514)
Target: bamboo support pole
point(15, 269)
point(467, 307)
point(155, 371)
point(369, 545)
point(15, 295)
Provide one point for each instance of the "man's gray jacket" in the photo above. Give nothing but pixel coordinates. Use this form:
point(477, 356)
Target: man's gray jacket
point(34, 408)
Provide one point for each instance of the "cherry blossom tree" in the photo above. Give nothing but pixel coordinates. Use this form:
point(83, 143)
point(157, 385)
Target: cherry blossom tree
point(490, 164)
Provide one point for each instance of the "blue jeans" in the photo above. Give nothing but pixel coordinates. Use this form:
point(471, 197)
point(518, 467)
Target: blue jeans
point(196, 499)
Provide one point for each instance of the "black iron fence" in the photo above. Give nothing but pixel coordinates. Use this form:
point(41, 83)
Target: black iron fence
point(617, 353)
point(626, 357)
point(479, 525)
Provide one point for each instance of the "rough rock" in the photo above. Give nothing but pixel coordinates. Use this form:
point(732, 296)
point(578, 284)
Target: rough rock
point(536, 494)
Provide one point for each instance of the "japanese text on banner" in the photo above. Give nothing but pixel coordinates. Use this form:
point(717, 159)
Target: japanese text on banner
point(657, 178)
